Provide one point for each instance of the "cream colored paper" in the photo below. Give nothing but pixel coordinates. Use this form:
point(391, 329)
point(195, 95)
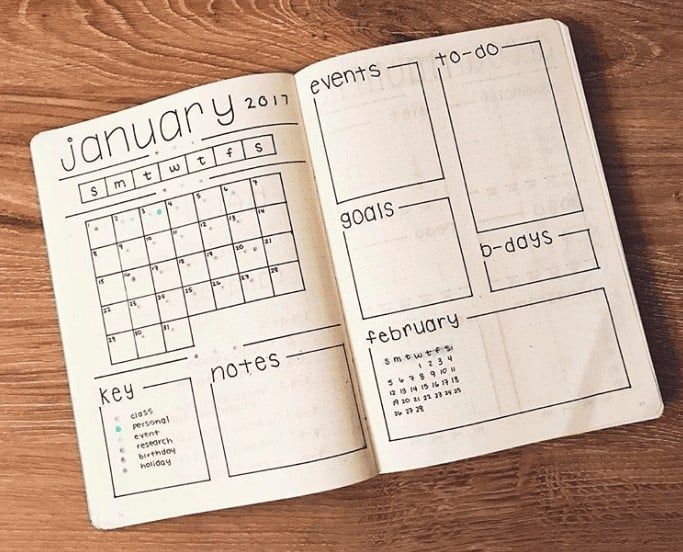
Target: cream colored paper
point(420, 234)
point(481, 274)
point(202, 333)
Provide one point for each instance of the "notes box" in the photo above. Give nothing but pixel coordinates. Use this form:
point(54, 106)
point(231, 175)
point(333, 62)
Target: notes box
point(311, 412)
point(154, 440)
point(508, 132)
point(383, 139)
point(408, 261)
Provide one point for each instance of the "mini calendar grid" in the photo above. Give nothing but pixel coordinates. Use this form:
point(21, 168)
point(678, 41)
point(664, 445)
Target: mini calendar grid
point(160, 264)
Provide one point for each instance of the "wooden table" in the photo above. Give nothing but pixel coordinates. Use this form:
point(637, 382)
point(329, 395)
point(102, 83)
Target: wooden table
point(619, 489)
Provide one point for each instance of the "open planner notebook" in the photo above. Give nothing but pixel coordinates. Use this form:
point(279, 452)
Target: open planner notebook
point(280, 284)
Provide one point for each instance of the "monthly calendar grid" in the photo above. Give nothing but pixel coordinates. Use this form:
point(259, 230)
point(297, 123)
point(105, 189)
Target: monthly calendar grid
point(158, 265)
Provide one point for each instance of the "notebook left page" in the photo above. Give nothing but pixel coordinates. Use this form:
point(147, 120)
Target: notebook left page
point(202, 333)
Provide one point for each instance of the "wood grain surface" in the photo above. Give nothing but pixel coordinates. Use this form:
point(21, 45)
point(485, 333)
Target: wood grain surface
point(618, 489)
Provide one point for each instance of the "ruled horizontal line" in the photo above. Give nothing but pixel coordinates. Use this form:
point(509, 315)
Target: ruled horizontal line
point(401, 64)
point(292, 334)
point(521, 44)
point(573, 232)
point(315, 350)
point(140, 368)
point(534, 303)
point(110, 205)
point(167, 382)
point(422, 202)
point(255, 168)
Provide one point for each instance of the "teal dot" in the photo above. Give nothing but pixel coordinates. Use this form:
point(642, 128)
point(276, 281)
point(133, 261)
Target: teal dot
point(158, 211)
point(118, 429)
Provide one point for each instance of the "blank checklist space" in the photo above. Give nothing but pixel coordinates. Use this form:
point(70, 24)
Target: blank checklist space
point(544, 256)
point(381, 137)
point(558, 350)
point(414, 260)
point(312, 413)
point(509, 137)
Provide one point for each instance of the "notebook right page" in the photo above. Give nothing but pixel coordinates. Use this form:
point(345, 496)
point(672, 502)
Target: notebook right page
point(482, 277)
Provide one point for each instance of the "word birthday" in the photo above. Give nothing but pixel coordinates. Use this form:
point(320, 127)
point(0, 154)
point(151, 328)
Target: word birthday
point(139, 135)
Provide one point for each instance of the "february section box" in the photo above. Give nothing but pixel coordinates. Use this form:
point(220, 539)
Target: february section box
point(471, 370)
point(152, 435)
